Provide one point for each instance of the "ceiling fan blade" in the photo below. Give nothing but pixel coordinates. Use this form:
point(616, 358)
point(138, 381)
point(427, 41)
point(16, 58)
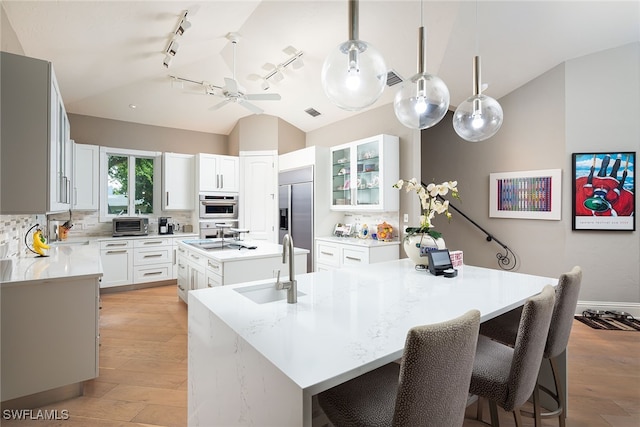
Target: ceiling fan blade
point(264, 96)
point(219, 105)
point(230, 85)
point(249, 106)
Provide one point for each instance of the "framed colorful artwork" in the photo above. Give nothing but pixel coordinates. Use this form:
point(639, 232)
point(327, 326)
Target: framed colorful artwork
point(604, 188)
point(526, 194)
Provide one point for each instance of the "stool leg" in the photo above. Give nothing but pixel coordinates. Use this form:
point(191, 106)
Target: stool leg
point(561, 401)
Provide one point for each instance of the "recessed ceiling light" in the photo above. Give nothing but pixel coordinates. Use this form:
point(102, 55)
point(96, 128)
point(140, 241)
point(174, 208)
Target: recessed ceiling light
point(133, 106)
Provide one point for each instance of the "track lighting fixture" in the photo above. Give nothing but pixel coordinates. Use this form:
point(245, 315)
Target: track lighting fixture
point(184, 25)
point(173, 46)
point(275, 74)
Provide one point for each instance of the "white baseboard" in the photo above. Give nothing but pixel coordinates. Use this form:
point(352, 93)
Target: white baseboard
point(633, 308)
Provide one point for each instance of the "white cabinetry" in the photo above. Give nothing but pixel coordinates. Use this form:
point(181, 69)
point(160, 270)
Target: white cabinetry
point(85, 177)
point(36, 150)
point(152, 260)
point(363, 173)
point(218, 173)
point(178, 188)
point(117, 262)
point(191, 272)
point(332, 254)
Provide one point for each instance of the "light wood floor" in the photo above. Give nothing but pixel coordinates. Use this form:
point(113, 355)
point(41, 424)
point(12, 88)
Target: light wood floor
point(143, 370)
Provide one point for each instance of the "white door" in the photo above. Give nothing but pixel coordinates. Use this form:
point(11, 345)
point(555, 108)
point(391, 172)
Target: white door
point(259, 183)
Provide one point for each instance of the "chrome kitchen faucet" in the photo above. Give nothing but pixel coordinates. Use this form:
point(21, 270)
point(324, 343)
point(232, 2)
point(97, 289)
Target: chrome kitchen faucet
point(291, 286)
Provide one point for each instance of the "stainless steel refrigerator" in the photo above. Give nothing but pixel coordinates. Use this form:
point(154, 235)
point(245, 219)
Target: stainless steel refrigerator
point(295, 195)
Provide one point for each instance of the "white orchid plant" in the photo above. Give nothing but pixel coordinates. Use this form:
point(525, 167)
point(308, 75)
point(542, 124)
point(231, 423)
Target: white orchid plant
point(432, 202)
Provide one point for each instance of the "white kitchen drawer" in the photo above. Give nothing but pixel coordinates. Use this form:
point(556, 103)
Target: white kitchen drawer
point(215, 267)
point(328, 254)
point(116, 244)
point(152, 243)
point(148, 256)
point(198, 259)
point(151, 273)
point(355, 256)
point(325, 267)
point(213, 279)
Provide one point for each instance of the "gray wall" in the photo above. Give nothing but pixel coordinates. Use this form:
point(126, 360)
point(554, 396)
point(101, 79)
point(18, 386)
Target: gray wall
point(546, 121)
point(263, 132)
point(120, 134)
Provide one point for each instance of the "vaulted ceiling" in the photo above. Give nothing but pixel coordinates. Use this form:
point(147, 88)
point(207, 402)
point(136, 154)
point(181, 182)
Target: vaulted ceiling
point(109, 55)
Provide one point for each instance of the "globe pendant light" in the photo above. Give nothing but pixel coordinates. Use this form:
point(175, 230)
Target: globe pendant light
point(354, 74)
point(480, 116)
point(423, 100)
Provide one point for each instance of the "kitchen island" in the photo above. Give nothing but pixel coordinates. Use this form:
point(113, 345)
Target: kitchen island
point(207, 263)
point(260, 364)
point(50, 331)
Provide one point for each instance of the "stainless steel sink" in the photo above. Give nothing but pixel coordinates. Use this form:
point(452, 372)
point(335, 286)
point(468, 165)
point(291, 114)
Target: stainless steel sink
point(264, 293)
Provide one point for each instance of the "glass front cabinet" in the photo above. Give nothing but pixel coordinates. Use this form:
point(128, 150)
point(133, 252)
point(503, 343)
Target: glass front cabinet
point(363, 173)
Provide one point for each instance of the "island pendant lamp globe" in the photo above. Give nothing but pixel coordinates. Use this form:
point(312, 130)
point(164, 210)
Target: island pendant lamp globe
point(480, 116)
point(423, 100)
point(354, 74)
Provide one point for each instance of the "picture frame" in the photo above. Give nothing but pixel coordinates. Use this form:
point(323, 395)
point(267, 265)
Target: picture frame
point(526, 194)
point(603, 195)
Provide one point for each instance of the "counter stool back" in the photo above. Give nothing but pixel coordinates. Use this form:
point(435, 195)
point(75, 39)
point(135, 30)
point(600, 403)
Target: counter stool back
point(429, 388)
point(505, 329)
point(506, 376)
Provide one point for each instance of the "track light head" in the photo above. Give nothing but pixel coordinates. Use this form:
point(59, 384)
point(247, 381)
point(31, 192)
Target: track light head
point(173, 47)
point(167, 61)
point(182, 27)
point(265, 85)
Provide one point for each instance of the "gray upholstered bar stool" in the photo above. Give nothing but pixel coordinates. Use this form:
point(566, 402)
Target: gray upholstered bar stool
point(506, 376)
point(505, 328)
point(429, 387)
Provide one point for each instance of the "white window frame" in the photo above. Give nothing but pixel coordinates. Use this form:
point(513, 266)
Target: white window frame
point(105, 152)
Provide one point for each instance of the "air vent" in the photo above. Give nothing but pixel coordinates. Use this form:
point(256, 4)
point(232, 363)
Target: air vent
point(312, 112)
point(393, 78)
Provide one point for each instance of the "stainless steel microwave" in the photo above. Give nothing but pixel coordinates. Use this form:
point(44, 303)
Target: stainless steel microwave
point(130, 226)
point(218, 206)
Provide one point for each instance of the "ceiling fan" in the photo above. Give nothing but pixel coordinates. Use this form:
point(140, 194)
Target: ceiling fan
point(232, 91)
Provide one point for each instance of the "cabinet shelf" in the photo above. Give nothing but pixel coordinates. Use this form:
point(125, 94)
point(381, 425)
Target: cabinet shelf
point(375, 165)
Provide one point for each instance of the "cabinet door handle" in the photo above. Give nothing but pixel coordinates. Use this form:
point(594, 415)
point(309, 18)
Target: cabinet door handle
point(153, 273)
point(353, 258)
point(152, 242)
point(217, 180)
point(124, 251)
point(327, 253)
point(181, 250)
point(167, 198)
point(116, 244)
point(194, 256)
point(213, 265)
point(180, 287)
point(153, 256)
point(221, 181)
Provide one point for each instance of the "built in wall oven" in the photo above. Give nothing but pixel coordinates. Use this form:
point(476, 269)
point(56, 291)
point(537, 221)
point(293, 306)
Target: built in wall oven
point(219, 206)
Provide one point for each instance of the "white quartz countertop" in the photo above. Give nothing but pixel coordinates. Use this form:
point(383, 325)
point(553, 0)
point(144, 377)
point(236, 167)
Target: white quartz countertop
point(175, 235)
point(64, 260)
point(355, 241)
point(262, 249)
point(356, 319)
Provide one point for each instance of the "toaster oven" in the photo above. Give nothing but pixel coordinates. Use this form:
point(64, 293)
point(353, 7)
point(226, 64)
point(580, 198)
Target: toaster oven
point(130, 226)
